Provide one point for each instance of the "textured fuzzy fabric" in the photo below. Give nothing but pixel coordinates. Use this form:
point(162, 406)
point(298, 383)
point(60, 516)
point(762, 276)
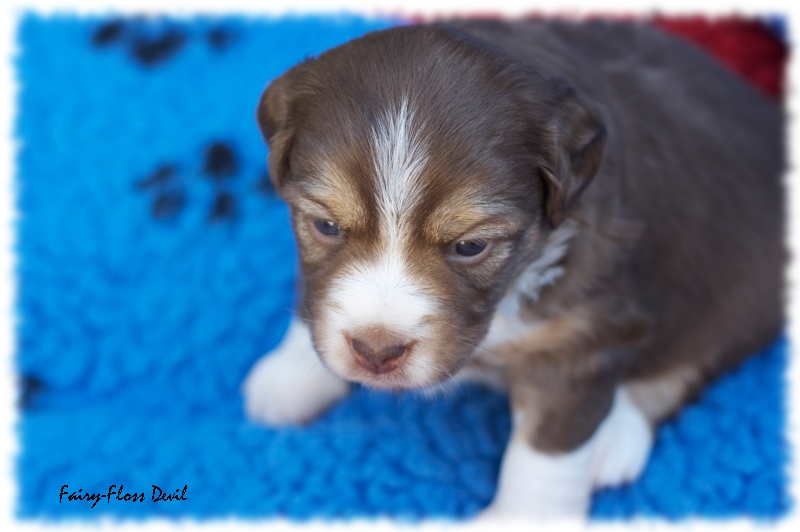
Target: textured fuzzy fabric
point(155, 265)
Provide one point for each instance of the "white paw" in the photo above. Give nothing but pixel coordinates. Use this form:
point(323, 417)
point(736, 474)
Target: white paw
point(290, 385)
point(542, 507)
point(622, 444)
point(535, 485)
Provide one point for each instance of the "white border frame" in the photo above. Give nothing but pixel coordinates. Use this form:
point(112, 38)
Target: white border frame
point(10, 11)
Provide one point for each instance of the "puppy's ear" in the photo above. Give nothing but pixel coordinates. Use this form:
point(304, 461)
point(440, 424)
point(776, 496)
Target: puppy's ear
point(578, 142)
point(274, 121)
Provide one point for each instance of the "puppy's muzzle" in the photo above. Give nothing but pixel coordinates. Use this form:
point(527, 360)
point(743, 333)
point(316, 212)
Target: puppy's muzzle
point(377, 350)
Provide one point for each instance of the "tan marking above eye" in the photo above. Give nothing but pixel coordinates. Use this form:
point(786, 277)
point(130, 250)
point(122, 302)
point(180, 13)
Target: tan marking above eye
point(463, 215)
point(324, 203)
point(456, 229)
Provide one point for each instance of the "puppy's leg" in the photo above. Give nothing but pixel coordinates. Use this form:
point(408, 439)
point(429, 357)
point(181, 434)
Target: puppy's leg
point(538, 485)
point(545, 474)
point(622, 443)
point(290, 385)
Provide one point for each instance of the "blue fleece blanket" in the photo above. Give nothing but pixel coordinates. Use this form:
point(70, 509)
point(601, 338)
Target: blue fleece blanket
point(155, 265)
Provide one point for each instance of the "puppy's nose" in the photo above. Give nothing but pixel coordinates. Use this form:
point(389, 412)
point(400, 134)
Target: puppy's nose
point(377, 351)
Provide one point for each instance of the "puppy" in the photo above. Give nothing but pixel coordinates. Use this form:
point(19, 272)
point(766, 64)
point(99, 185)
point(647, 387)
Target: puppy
point(589, 215)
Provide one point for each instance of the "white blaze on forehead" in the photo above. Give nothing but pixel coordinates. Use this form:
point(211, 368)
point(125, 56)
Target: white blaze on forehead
point(380, 290)
point(399, 156)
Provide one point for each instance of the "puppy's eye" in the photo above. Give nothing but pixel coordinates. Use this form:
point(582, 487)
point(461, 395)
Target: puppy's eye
point(328, 228)
point(471, 248)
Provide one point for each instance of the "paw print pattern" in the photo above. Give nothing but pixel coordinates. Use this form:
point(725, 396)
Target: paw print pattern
point(220, 38)
point(167, 186)
point(108, 33)
point(161, 176)
point(30, 387)
point(153, 43)
point(224, 207)
point(170, 193)
point(151, 50)
point(168, 204)
point(220, 165)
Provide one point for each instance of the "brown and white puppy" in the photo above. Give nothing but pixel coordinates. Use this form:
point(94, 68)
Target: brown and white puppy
point(589, 215)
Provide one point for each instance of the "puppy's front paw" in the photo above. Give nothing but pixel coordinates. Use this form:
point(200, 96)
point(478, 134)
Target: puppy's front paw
point(535, 485)
point(290, 385)
point(544, 507)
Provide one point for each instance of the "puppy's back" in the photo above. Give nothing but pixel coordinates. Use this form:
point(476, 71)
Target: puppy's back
point(697, 157)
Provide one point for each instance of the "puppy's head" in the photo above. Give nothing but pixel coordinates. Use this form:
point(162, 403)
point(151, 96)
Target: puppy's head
point(423, 169)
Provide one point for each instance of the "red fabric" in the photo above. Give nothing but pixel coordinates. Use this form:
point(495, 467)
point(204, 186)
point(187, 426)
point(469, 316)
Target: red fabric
point(747, 47)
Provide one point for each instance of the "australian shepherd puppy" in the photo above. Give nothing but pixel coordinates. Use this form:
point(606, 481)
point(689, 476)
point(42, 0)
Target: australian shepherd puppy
point(588, 215)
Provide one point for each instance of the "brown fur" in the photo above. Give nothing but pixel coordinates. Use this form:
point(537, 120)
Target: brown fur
point(668, 166)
